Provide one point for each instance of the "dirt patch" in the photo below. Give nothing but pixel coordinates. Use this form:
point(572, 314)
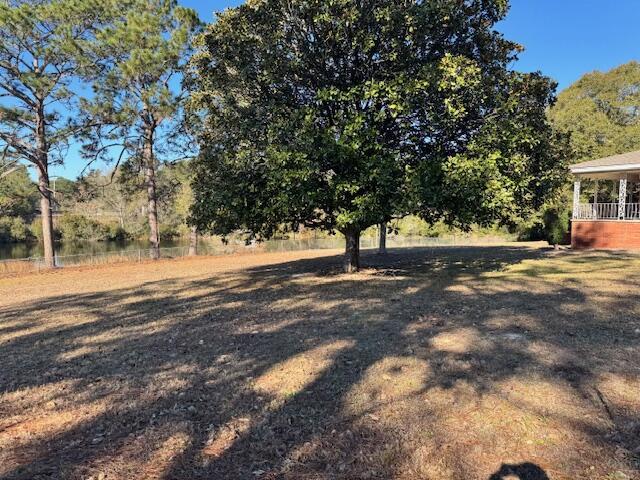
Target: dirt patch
point(444, 363)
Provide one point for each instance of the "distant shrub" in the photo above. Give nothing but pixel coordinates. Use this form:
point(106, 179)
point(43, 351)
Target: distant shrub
point(412, 226)
point(75, 227)
point(168, 232)
point(35, 229)
point(183, 230)
point(117, 233)
point(13, 229)
point(532, 230)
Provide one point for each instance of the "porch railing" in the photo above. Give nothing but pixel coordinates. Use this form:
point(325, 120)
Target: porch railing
point(606, 211)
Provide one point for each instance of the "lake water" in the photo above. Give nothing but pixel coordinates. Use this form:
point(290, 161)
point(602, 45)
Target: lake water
point(216, 247)
point(14, 251)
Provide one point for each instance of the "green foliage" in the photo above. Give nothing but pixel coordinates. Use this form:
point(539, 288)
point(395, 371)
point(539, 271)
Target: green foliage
point(65, 192)
point(117, 233)
point(531, 230)
point(103, 206)
point(341, 115)
point(556, 225)
point(14, 229)
point(602, 111)
point(168, 232)
point(175, 197)
point(414, 226)
point(18, 194)
point(35, 228)
point(75, 227)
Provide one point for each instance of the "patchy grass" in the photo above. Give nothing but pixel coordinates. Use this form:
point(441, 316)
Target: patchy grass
point(450, 363)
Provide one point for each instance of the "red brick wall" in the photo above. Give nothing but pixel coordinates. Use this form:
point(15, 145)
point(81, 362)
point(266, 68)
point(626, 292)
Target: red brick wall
point(605, 234)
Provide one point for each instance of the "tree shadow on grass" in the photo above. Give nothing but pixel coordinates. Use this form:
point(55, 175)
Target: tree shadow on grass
point(414, 369)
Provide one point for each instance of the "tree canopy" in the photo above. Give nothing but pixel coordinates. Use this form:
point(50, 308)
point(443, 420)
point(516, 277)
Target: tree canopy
point(343, 114)
point(602, 111)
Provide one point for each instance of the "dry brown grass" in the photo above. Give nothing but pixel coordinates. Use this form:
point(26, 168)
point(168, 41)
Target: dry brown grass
point(17, 267)
point(453, 363)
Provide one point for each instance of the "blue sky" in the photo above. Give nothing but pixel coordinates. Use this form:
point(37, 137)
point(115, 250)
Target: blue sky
point(563, 39)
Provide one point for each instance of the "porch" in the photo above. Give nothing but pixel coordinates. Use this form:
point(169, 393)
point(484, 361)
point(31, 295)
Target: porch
point(606, 211)
point(608, 214)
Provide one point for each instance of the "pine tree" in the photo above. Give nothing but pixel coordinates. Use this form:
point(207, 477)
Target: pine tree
point(44, 46)
point(139, 99)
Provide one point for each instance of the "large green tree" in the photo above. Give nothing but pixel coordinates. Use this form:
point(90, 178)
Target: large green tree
point(342, 114)
point(602, 111)
point(139, 97)
point(43, 45)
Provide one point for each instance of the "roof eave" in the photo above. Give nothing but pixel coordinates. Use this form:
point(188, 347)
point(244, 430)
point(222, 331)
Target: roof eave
point(605, 168)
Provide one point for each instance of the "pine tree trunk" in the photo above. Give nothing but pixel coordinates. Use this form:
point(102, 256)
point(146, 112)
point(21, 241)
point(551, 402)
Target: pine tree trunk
point(382, 245)
point(46, 217)
point(152, 199)
point(352, 253)
point(193, 242)
point(42, 166)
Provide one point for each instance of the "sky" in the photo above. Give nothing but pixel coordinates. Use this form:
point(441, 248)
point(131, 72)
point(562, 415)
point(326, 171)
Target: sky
point(563, 39)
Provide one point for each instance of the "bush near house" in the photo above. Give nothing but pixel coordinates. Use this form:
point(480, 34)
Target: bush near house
point(556, 225)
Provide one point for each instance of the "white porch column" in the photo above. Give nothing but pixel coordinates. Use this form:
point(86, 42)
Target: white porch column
point(596, 185)
point(576, 199)
point(622, 198)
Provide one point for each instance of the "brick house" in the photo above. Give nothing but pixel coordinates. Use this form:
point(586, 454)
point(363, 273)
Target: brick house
point(612, 222)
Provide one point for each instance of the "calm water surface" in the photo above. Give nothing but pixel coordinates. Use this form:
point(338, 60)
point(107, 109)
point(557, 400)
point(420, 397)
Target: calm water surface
point(210, 246)
point(15, 251)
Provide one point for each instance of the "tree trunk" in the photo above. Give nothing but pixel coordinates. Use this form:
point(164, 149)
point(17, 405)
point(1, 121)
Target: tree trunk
point(152, 199)
point(382, 245)
point(193, 242)
point(46, 217)
point(352, 253)
point(42, 166)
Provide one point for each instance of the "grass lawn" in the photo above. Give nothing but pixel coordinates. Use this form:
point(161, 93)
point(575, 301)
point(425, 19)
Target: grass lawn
point(450, 363)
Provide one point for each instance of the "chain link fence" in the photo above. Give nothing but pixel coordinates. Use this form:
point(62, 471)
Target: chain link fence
point(37, 264)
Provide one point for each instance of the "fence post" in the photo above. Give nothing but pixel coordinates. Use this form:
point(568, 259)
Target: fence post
point(139, 255)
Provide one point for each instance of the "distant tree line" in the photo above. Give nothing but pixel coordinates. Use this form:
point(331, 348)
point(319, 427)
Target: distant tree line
point(98, 207)
point(102, 206)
